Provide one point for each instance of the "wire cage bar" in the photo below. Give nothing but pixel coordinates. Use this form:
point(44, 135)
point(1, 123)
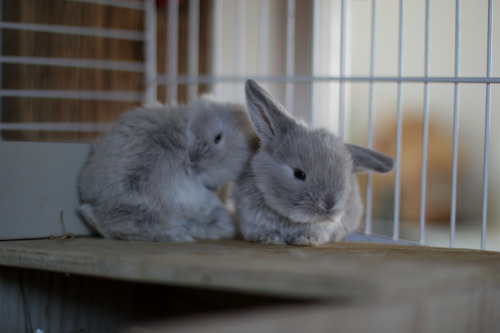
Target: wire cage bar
point(399, 124)
point(82, 31)
point(342, 65)
point(455, 127)
point(194, 15)
point(425, 134)
point(150, 68)
point(290, 51)
point(172, 46)
point(484, 211)
point(368, 195)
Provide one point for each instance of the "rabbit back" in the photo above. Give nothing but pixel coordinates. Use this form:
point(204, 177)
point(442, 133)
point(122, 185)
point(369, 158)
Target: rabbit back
point(128, 160)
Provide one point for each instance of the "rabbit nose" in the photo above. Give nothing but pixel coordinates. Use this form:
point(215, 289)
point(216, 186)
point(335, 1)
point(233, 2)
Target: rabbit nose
point(329, 203)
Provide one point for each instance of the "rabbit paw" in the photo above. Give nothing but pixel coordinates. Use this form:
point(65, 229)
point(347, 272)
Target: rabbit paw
point(219, 225)
point(271, 237)
point(222, 225)
point(308, 239)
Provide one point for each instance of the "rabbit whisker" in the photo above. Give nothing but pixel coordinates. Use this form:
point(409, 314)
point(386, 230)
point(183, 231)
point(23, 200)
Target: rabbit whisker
point(339, 222)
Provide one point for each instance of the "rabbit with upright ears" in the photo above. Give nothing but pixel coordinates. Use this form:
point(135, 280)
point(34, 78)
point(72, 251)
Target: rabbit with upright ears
point(300, 187)
point(152, 177)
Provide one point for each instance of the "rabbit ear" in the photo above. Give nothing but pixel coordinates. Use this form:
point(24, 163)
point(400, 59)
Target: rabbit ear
point(268, 116)
point(365, 159)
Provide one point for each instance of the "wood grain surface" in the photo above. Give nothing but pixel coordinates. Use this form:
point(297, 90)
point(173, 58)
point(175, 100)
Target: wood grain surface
point(352, 271)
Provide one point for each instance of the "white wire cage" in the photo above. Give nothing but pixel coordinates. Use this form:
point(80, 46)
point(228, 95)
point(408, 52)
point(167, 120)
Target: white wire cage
point(364, 69)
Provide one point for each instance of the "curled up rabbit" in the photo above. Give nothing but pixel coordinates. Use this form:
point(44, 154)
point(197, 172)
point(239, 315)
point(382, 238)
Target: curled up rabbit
point(300, 186)
point(152, 177)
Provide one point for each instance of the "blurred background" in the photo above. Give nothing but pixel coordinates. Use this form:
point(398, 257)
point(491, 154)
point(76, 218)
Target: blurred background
point(333, 63)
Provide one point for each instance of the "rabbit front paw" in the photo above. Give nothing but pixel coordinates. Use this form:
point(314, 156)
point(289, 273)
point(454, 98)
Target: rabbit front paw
point(308, 239)
point(268, 237)
point(218, 225)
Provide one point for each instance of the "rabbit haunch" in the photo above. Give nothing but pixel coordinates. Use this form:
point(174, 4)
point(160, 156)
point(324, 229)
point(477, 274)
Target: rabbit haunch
point(299, 187)
point(152, 176)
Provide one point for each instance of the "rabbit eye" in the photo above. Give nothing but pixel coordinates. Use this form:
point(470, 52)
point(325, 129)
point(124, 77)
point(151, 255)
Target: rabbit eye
point(299, 174)
point(218, 138)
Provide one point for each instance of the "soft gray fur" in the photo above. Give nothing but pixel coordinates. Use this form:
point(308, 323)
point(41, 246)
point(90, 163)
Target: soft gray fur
point(274, 204)
point(152, 177)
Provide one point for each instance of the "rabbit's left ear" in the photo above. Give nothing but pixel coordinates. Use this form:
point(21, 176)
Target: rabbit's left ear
point(269, 118)
point(365, 159)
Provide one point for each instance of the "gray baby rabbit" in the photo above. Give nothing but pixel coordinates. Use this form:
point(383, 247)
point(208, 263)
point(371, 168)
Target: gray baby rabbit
point(152, 177)
point(299, 188)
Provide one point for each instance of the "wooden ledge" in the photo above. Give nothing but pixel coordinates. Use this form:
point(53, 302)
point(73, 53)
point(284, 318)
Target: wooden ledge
point(352, 271)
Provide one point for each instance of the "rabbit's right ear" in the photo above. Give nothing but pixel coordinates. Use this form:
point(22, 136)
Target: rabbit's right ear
point(365, 159)
point(268, 116)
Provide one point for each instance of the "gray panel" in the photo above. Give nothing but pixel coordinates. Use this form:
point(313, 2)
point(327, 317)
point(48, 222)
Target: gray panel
point(38, 181)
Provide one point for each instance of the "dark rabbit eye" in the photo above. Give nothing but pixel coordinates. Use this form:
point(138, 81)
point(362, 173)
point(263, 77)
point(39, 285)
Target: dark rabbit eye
point(299, 174)
point(218, 138)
